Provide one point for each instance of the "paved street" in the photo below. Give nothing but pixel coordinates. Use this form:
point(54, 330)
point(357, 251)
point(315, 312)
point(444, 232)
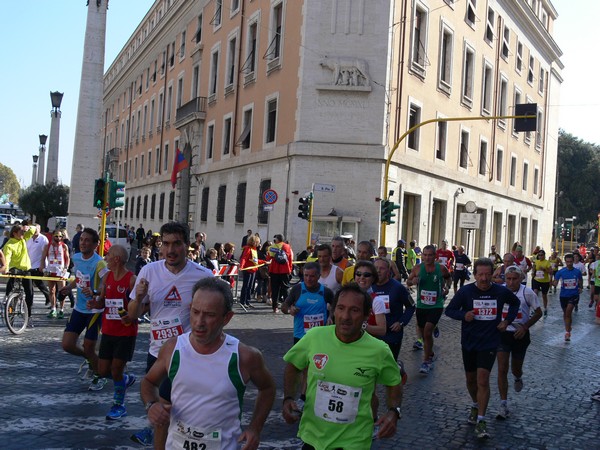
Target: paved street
point(45, 405)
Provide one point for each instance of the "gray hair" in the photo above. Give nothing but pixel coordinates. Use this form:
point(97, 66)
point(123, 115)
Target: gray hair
point(213, 284)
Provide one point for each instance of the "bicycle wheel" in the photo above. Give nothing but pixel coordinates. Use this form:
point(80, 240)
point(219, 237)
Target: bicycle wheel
point(16, 314)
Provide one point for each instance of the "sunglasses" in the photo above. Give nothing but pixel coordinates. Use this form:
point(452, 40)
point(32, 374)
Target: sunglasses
point(363, 274)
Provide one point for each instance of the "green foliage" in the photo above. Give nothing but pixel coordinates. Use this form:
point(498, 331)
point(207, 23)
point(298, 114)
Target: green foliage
point(9, 184)
point(578, 178)
point(46, 201)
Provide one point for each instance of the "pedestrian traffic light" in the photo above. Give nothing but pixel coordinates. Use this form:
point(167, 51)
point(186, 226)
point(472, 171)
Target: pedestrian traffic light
point(304, 207)
point(116, 194)
point(99, 193)
point(387, 211)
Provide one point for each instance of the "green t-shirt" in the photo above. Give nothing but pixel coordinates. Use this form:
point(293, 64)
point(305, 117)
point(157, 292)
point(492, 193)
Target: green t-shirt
point(430, 290)
point(411, 259)
point(341, 382)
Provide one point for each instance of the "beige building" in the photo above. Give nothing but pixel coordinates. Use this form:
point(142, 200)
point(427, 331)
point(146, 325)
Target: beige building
point(294, 96)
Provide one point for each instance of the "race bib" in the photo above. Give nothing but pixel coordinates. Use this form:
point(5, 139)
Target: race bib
point(443, 260)
point(505, 313)
point(82, 280)
point(112, 306)
point(429, 297)
point(540, 274)
point(164, 329)
point(313, 320)
point(485, 309)
point(336, 403)
point(385, 299)
point(190, 438)
point(570, 283)
point(460, 266)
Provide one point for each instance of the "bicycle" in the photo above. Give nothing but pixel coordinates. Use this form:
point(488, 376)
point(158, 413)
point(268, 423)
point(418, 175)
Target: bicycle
point(15, 311)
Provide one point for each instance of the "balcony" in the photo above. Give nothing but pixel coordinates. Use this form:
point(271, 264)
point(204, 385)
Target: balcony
point(194, 110)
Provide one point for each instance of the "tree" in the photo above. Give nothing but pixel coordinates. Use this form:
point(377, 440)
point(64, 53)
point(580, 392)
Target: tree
point(45, 201)
point(9, 186)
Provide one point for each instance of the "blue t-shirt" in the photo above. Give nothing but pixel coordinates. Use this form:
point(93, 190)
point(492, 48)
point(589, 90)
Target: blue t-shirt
point(313, 310)
point(399, 307)
point(569, 286)
point(88, 273)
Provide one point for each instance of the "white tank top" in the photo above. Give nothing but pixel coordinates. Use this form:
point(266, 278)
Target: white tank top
point(331, 281)
point(206, 394)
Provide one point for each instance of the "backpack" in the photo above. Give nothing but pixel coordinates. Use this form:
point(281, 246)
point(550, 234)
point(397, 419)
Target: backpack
point(280, 256)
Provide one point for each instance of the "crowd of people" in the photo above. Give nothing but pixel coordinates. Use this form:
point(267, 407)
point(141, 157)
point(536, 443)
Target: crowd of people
point(350, 308)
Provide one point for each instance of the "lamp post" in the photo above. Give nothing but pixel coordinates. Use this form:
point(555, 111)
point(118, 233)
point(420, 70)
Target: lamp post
point(42, 159)
point(52, 171)
point(34, 173)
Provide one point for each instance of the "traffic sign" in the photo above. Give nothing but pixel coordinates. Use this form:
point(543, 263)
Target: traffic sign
point(267, 207)
point(269, 196)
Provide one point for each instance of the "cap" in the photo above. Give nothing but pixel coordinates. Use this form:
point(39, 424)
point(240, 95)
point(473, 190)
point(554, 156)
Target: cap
point(401, 241)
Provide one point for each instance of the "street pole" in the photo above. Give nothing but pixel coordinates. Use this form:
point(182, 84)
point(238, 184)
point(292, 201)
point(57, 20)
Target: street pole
point(103, 219)
point(310, 213)
point(419, 125)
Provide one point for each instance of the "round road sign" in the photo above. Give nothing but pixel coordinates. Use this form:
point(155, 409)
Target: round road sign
point(269, 196)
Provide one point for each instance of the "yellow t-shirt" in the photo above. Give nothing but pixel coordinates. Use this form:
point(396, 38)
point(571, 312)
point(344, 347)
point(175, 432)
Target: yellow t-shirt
point(539, 270)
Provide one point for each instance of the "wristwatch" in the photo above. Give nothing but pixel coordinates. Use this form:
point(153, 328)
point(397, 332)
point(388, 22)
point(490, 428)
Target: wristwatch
point(397, 410)
point(149, 405)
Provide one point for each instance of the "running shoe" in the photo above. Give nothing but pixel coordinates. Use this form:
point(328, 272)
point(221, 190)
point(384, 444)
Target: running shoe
point(418, 345)
point(436, 332)
point(144, 437)
point(424, 368)
point(545, 313)
point(473, 415)
point(502, 412)
point(60, 315)
point(129, 380)
point(518, 384)
point(481, 430)
point(567, 337)
point(596, 396)
point(97, 383)
point(51, 315)
point(116, 412)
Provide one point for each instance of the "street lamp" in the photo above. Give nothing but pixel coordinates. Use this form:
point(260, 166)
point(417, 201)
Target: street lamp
point(34, 174)
point(42, 159)
point(56, 99)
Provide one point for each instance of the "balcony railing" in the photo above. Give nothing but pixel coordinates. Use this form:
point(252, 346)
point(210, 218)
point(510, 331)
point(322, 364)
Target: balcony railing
point(192, 110)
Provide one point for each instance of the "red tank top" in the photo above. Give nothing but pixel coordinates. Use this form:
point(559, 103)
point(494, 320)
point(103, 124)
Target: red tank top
point(117, 297)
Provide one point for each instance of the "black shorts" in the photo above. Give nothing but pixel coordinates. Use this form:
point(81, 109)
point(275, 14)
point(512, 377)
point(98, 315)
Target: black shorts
point(90, 322)
point(478, 359)
point(460, 275)
point(564, 301)
point(164, 390)
point(117, 347)
point(431, 315)
point(518, 347)
point(540, 286)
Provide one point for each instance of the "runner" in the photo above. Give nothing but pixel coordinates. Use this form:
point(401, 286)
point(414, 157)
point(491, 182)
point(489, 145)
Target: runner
point(570, 288)
point(516, 339)
point(205, 411)
point(542, 272)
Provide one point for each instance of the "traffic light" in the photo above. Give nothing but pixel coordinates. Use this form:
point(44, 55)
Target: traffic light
point(99, 193)
point(116, 194)
point(526, 109)
point(568, 230)
point(304, 207)
point(387, 211)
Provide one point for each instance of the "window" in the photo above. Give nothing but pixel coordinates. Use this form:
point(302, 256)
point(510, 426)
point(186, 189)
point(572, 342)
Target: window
point(139, 207)
point(470, 15)
point(271, 120)
point(157, 159)
point(468, 72)
point(142, 166)
point(499, 163)
point(145, 120)
point(505, 42)
point(530, 70)
point(250, 63)
point(195, 81)
point(161, 206)
point(217, 18)
point(147, 78)
point(464, 149)
point(127, 202)
point(419, 39)
point(240, 203)
point(182, 46)
point(226, 135)
point(198, 35)
point(246, 136)
point(487, 87)
point(536, 180)
point(513, 170)
point(214, 73)
point(151, 114)
point(489, 26)
point(131, 206)
point(210, 140)
point(161, 104)
point(273, 52)
point(441, 133)
point(152, 206)
point(204, 207)
point(446, 51)
point(527, 137)
point(541, 81)
point(231, 60)
point(166, 158)
point(149, 163)
point(414, 118)
point(179, 101)
point(503, 102)
point(221, 194)
point(171, 204)
point(483, 155)
point(263, 216)
point(145, 210)
point(169, 102)
point(539, 129)
point(525, 175)
point(172, 57)
point(235, 6)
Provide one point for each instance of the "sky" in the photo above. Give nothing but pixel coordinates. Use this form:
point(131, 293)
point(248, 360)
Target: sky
point(43, 47)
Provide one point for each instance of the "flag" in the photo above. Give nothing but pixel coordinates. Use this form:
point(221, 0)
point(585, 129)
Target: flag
point(179, 164)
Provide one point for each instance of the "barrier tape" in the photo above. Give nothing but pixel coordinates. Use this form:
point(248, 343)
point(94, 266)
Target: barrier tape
point(35, 277)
